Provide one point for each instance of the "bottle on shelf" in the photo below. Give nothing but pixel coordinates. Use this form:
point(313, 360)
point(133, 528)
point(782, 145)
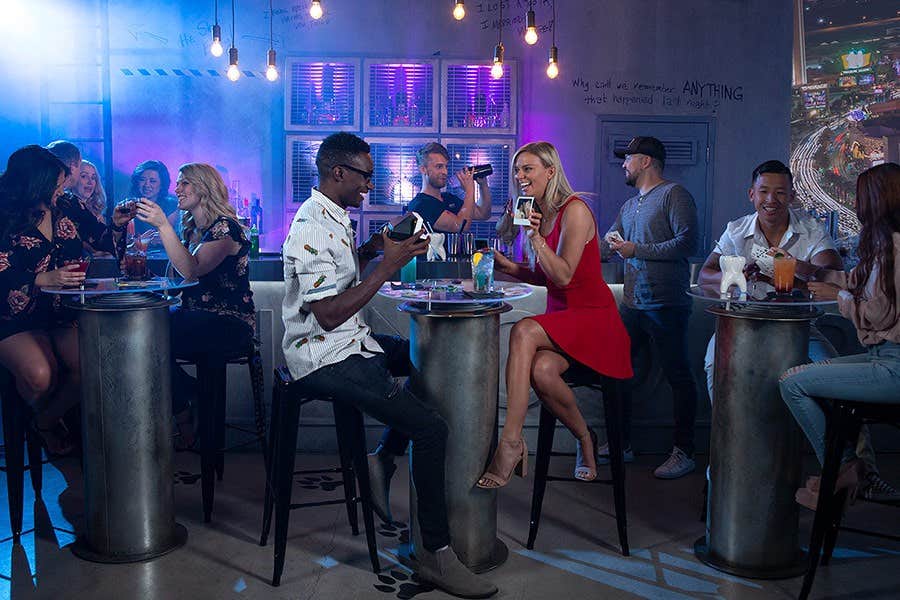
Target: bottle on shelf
point(254, 241)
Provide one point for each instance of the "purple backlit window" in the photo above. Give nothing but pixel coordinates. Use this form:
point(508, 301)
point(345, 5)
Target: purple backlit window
point(464, 153)
point(322, 95)
point(397, 179)
point(475, 101)
point(400, 96)
point(302, 174)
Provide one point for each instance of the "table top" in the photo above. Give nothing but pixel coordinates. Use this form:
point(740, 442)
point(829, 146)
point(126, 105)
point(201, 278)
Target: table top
point(446, 291)
point(108, 286)
point(710, 293)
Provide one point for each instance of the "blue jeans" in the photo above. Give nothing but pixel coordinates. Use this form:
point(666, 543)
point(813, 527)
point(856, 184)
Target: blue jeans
point(666, 328)
point(870, 377)
point(369, 385)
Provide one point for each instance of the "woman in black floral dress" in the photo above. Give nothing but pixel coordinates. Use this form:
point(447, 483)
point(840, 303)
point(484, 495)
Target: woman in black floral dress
point(217, 315)
point(42, 231)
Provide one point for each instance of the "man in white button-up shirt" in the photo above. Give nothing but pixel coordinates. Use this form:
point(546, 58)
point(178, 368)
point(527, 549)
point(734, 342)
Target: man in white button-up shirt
point(774, 227)
point(328, 344)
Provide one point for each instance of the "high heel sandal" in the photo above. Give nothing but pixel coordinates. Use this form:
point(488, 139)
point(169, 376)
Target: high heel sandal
point(849, 477)
point(582, 471)
point(508, 458)
point(54, 439)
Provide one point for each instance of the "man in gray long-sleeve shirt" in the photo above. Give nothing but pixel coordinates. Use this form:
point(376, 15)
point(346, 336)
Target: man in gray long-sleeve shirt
point(656, 232)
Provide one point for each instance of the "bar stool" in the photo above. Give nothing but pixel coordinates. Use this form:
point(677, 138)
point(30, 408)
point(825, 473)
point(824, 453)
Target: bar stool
point(843, 422)
point(16, 434)
point(287, 398)
point(610, 389)
point(211, 386)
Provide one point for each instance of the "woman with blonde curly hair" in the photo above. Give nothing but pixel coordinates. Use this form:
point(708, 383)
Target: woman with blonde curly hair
point(89, 188)
point(217, 316)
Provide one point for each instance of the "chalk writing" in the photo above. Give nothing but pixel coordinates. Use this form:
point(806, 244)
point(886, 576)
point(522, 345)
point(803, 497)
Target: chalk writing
point(628, 92)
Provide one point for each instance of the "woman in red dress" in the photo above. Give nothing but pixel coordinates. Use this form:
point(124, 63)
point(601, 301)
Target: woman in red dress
point(581, 327)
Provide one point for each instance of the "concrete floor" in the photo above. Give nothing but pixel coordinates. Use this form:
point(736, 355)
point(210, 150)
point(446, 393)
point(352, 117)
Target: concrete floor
point(575, 554)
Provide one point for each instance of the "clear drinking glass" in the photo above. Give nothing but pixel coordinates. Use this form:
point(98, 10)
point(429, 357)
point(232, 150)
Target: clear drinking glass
point(785, 268)
point(483, 271)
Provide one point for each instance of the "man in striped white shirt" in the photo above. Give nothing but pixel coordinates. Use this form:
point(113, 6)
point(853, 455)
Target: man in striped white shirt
point(328, 344)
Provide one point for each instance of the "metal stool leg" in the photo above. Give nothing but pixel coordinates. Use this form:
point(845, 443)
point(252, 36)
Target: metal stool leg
point(612, 400)
point(286, 448)
point(345, 451)
point(257, 380)
point(835, 439)
point(274, 428)
point(353, 427)
point(211, 379)
point(35, 462)
point(546, 430)
point(13, 436)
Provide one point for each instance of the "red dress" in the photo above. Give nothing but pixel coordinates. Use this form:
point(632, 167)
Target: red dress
point(582, 318)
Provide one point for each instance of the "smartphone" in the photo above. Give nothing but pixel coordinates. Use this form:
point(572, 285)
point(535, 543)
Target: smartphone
point(614, 236)
point(405, 227)
point(524, 206)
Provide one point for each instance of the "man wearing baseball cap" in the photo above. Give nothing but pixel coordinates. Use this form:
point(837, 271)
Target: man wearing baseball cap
point(656, 232)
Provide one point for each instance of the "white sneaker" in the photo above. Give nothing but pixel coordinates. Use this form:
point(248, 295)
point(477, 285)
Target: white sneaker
point(603, 454)
point(677, 465)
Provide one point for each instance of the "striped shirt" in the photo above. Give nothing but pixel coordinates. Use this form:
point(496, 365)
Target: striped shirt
point(320, 261)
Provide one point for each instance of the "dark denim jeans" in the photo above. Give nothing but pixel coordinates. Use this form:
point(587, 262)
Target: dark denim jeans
point(666, 328)
point(369, 385)
point(198, 332)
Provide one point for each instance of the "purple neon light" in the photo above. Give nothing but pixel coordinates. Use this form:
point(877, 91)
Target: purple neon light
point(475, 100)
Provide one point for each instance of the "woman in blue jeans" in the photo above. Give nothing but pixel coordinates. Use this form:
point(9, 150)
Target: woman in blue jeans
point(869, 298)
point(217, 316)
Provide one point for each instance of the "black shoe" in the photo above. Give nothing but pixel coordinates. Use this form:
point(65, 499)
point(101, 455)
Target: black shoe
point(443, 569)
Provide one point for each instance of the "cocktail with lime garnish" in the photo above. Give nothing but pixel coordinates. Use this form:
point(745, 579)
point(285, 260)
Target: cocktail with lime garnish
point(483, 271)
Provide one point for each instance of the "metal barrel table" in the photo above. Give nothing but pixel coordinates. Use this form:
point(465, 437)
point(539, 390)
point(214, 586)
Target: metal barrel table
point(755, 443)
point(455, 355)
point(123, 336)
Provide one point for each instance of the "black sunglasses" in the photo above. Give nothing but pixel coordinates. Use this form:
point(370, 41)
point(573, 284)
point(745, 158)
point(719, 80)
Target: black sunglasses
point(366, 174)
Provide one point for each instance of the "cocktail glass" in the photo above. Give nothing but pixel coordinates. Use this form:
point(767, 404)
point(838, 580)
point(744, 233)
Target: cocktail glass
point(483, 271)
point(785, 267)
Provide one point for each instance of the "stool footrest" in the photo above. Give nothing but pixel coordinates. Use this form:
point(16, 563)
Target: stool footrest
point(555, 478)
point(322, 503)
point(314, 471)
point(878, 534)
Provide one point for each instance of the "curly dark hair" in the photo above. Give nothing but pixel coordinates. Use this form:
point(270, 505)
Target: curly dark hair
point(338, 148)
point(878, 210)
point(31, 177)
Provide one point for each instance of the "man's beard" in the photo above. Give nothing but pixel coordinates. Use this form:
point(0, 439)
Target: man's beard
point(437, 183)
point(630, 180)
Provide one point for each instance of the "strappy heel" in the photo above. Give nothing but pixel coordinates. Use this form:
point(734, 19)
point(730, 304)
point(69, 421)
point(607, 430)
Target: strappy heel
point(848, 481)
point(582, 471)
point(509, 458)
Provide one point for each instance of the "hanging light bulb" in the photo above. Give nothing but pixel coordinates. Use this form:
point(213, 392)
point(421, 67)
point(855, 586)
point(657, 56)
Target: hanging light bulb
point(553, 63)
point(233, 72)
point(315, 11)
point(216, 48)
point(531, 35)
point(459, 11)
point(271, 70)
point(497, 69)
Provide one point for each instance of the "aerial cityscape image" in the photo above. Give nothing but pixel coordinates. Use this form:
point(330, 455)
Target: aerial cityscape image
point(845, 115)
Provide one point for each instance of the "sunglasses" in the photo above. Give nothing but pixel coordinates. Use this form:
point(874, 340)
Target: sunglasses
point(366, 174)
